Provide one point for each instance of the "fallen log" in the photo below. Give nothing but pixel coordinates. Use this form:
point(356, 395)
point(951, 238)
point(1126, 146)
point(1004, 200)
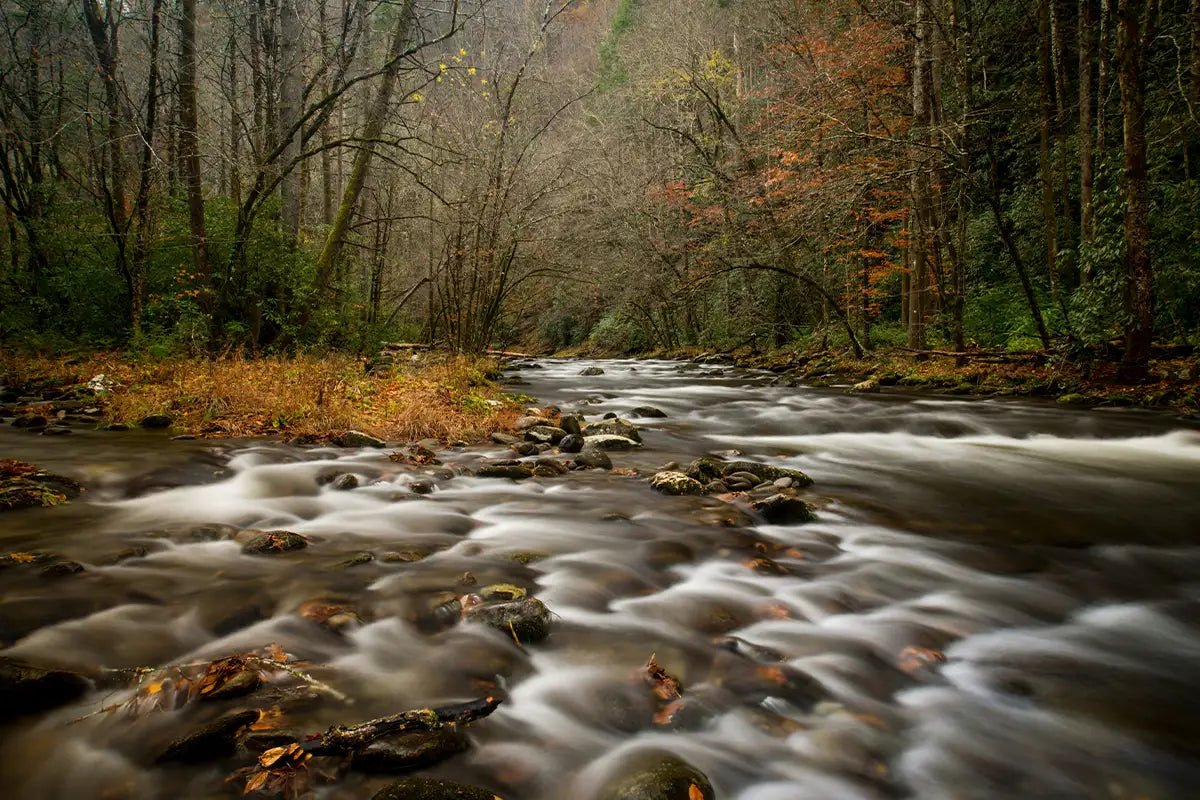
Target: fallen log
point(339, 739)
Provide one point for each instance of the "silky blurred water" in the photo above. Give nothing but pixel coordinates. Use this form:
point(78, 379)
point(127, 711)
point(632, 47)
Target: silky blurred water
point(1050, 556)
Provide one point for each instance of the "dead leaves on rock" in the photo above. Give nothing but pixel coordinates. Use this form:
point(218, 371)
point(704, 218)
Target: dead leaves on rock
point(667, 691)
point(279, 771)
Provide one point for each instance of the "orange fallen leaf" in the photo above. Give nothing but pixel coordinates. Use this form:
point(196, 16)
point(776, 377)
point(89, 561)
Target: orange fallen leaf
point(695, 792)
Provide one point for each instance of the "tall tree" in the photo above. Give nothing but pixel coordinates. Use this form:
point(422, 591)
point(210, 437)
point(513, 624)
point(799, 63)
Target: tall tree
point(1135, 33)
point(190, 142)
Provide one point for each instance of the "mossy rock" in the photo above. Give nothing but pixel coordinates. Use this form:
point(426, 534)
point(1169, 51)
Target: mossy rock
point(1073, 399)
point(528, 620)
point(528, 556)
point(432, 789)
point(506, 592)
point(25, 485)
point(676, 483)
point(658, 776)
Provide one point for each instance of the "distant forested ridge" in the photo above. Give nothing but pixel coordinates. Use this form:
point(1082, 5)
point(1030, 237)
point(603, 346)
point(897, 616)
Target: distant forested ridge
point(201, 175)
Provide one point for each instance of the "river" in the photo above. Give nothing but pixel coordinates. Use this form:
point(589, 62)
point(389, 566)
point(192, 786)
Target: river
point(997, 600)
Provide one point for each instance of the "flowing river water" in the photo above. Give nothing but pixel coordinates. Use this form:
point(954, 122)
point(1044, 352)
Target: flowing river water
point(997, 600)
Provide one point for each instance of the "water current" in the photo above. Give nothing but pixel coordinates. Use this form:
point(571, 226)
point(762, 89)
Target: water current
point(997, 600)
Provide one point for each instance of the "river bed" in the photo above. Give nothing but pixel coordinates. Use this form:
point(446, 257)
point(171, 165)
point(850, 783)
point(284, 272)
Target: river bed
point(997, 600)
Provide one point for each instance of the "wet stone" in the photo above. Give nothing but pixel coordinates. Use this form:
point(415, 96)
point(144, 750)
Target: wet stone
point(571, 424)
point(56, 430)
point(432, 789)
point(676, 483)
point(540, 434)
point(29, 420)
point(274, 542)
point(503, 438)
point(780, 509)
point(411, 751)
point(658, 776)
point(421, 487)
point(25, 688)
point(358, 439)
point(528, 620)
point(211, 741)
point(62, 569)
point(590, 371)
point(609, 442)
point(614, 427)
point(345, 482)
point(156, 421)
point(571, 443)
point(649, 412)
point(525, 448)
point(549, 467)
point(504, 592)
point(594, 458)
point(356, 560)
point(516, 472)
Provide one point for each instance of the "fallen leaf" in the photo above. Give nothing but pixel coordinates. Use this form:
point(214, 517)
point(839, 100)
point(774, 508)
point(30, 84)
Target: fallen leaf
point(695, 792)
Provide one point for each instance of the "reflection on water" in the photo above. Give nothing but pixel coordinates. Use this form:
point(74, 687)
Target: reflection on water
point(1049, 556)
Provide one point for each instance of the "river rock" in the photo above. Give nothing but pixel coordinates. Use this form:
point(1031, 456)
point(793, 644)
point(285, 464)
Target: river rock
point(571, 443)
point(29, 420)
point(528, 620)
point(658, 776)
point(410, 751)
point(528, 421)
point(648, 411)
point(707, 469)
point(780, 509)
point(593, 457)
point(345, 482)
point(213, 740)
point(432, 789)
point(525, 448)
point(572, 424)
point(156, 421)
point(25, 485)
point(590, 371)
point(504, 438)
point(614, 427)
point(543, 434)
point(503, 592)
point(270, 542)
point(25, 688)
point(676, 483)
point(549, 467)
point(517, 472)
point(606, 441)
point(358, 439)
point(56, 430)
point(868, 386)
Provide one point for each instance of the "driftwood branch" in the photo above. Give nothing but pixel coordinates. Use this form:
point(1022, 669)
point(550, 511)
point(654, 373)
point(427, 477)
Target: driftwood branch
point(339, 740)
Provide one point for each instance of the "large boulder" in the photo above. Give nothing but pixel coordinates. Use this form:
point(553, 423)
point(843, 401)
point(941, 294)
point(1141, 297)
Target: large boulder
point(614, 427)
point(594, 458)
point(606, 441)
point(658, 776)
point(676, 483)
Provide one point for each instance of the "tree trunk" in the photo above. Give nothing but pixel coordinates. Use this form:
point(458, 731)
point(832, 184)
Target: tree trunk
point(1087, 54)
point(141, 246)
point(919, 183)
point(1002, 228)
point(1134, 34)
point(189, 136)
point(1046, 168)
point(290, 92)
point(377, 115)
point(1103, 80)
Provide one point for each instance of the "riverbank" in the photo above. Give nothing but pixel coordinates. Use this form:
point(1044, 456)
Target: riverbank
point(1173, 384)
point(450, 398)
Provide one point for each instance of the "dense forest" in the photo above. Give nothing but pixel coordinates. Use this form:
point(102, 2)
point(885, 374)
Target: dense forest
point(267, 175)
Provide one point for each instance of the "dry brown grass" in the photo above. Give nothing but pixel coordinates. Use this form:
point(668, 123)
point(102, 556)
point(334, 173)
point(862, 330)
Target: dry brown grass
point(441, 397)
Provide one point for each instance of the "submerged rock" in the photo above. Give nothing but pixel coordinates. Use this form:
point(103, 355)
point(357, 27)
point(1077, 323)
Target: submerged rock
point(676, 483)
point(431, 789)
point(708, 469)
point(590, 371)
point(658, 776)
point(29, 420)
point(516, 472)
point(594, 458)
point(528, 620)
point(274, 542)
point(410, 751)
point(25, 688)
point(649, 412)
point(213, 740)
point(24, 485)
point(780, 509)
